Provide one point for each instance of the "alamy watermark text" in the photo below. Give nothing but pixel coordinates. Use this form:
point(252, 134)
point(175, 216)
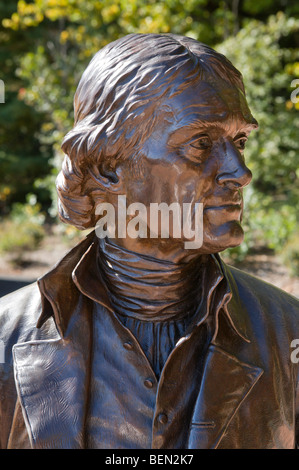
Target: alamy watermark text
point(157, 220)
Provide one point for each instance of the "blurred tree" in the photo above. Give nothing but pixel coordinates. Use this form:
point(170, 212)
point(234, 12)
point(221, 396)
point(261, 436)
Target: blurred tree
point(268, 66)
point(53, 40)
point(68, 32)
point(22, 156)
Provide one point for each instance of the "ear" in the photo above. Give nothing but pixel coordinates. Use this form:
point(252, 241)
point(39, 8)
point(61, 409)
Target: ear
point(105, 178)
point(108, 173)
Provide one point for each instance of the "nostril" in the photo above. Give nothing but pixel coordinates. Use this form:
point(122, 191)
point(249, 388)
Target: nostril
point(237, 179)
point(228, 182)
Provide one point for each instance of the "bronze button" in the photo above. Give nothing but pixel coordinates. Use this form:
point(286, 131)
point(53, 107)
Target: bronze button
point(128, 346)
point(162, 418)
point(148, 383)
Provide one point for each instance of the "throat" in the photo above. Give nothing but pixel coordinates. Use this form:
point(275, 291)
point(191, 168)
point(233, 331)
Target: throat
point(146, 288)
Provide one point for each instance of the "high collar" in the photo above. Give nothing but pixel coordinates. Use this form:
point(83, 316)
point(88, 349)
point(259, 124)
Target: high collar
point(151, 289)
point(78, 273)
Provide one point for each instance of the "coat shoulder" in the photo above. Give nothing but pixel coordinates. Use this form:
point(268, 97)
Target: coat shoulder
point(20, 296)
point(261, 287)
point(260, 296)
point(20, 307)
point(19, 314)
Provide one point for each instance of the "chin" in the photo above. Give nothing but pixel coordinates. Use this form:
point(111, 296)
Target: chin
point(228, 236)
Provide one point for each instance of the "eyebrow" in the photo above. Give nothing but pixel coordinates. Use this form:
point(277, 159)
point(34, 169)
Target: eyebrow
point(244, 125)
point(198, 125)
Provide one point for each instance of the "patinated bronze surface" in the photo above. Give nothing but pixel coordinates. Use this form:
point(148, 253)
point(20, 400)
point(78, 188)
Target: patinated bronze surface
point(137, 342)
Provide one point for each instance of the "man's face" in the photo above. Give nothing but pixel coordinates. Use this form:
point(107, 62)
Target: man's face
point(195, 155)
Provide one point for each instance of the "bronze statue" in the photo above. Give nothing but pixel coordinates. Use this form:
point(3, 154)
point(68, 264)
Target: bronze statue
point(137, 342)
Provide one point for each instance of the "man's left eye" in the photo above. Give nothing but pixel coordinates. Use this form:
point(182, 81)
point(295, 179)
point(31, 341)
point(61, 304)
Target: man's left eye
point(240, 143)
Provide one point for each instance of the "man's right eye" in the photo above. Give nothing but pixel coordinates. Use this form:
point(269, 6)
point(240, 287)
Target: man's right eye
point(202, 142)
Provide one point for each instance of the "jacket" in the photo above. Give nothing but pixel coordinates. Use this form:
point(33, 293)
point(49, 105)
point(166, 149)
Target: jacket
point(247, 397)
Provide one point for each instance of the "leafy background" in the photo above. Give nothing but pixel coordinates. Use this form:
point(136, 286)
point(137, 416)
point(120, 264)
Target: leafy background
point(45, 46)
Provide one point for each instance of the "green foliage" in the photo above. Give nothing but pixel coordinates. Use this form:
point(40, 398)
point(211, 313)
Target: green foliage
point(290, 254)
point(46, 44)
point(24, 229)
point(22, 156)
point(271, 201)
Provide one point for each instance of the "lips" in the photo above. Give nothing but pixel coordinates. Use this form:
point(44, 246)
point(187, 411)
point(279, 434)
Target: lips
point(230, 201)
point(231, 206)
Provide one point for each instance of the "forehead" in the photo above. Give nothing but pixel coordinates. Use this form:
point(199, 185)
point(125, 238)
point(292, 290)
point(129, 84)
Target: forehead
point(210, 105)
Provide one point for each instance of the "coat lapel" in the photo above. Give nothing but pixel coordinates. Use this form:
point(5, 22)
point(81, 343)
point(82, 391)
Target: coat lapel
point(52, 380)
point(226, 383)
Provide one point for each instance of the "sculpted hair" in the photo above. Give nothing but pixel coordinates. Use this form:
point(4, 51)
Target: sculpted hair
point(119, 99)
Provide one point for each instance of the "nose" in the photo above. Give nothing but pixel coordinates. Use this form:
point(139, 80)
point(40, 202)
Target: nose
point(233, 172)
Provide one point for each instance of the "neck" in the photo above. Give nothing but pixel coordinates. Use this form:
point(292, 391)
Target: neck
point(168, 250)
point(151, 288)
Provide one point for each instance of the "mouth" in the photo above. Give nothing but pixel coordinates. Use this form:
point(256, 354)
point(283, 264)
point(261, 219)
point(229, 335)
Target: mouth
point(230, 207)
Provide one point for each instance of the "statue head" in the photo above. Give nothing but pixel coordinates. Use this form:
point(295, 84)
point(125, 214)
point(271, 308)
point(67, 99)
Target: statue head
point(159, 118)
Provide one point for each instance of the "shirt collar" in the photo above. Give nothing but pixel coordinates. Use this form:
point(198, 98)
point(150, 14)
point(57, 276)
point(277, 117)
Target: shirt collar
point(77, 273)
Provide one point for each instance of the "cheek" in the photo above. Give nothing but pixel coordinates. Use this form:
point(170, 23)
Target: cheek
point(169, 183)
point(138, 187)
point(198, 185)
point(175, 182)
